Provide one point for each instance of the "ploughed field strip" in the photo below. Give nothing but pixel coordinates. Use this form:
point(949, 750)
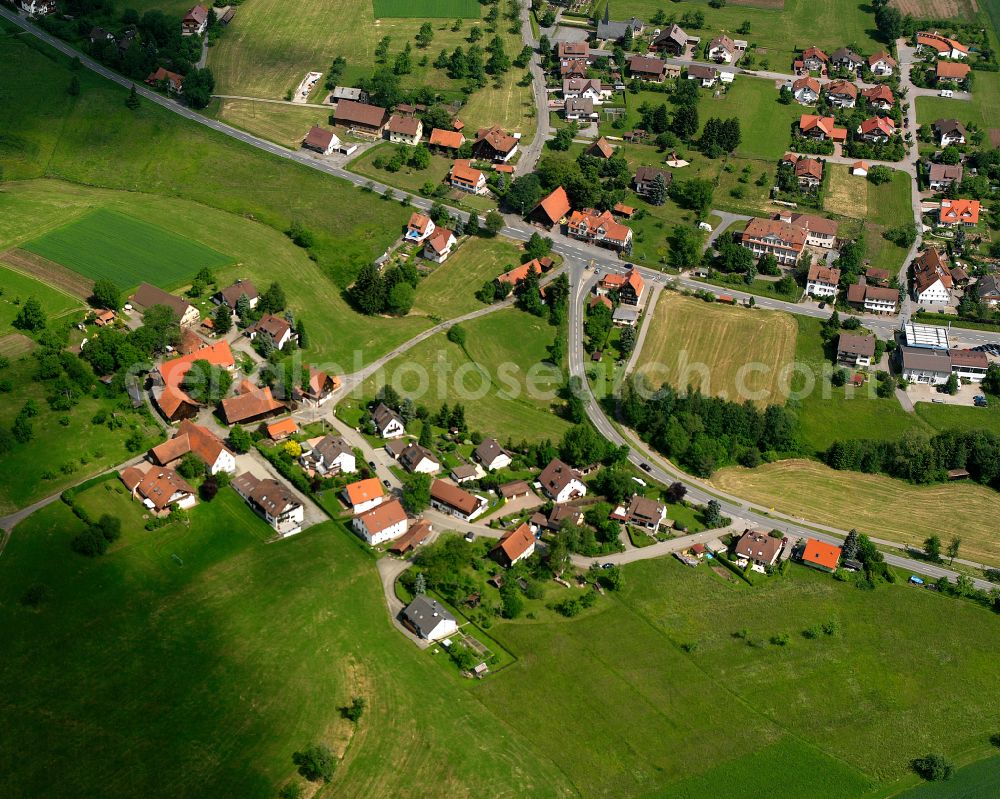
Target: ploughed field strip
point(106, 244)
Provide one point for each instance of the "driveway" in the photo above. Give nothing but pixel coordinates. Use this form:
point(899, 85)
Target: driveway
point(921, 392)
point(259, 467)
point(389, 570)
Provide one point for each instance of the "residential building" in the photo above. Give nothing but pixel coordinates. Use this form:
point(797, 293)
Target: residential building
point(629, 286)
point(348, 93)
point(773, 237)
point(845, 58)
point(808, 173)
point(317, 388)
point(821, 555)
point(465, 473)
point(230, 295)
point(384, 522)
point(572, 51)
point(647, 68)
point(646, 513)
point(446, 139)
point(439, 245)
point(514, 546)
point(387, 422)
point(882, 64)
point(38, 8)
point(195, 21)
point(625, 316)
point(925, 365)
point(941, 177)
point(360, 118)
point(877, 130)
point(842, 93)
point(518, 273)
point(516, 489)
point(969, 364)
point(722, 50)
point(706, 76)
point(427, 619)
point(814, 60)
point(580, 109)
point(362, 495)
point(418, 228)
point(561, 482)
point(328, 456)
point(820, 231)
point(449, 498)
point(585, 89)
point(322, 141)
point(932, 278)
point(855, 350)
point(159, 488)
point(191, 437)
point(988, 290)
point(164, 79)
point(944, 46)
point(822, 281)
point(806, 90)
point(405, 130)
point(672, 40)
point(600, 149)
point(645, 177)
point(494, 144)
point(573, 68)
point(250, 404)
point(146, 296)
point(276, 328)
point(821, 128)
point(958, 212)
point(859, 169)
point(599, 228)
point(272, 501)
point(949, 132)
point(465, 177)
point(419, 460)
point(552, 209)
point(873, 299)
point(491, 455)
point(758, 549)
point(950, 72)
point(879, 97)
point(611, 31)
point(557, 516)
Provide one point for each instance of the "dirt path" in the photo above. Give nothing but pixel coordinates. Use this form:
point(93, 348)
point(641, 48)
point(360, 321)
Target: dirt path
point(48, 272)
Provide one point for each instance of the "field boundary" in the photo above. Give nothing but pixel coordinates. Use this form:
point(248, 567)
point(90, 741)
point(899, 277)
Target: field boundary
point(52, 274)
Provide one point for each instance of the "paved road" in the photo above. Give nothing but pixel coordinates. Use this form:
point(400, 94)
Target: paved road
point(533, 151)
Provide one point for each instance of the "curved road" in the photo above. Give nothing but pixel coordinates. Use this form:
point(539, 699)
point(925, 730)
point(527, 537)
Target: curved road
point(659, 468)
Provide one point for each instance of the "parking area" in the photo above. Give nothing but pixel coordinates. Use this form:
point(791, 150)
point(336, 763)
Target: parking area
point(921, 392)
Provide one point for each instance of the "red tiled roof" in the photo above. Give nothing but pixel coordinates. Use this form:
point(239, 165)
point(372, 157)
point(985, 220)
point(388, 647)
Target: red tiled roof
point(952, 70)
point(821, 553)
point(966, 211)
point(319, 138)
point(556, 205)
point(249, 404)
point(418, 222)
point(282, 428)
point(516, 542)
point(349, 113)
point(466, 173)
point(447, 138)
point(407, 126)
point(520, 272)
point(364, 490)
point(383, 516)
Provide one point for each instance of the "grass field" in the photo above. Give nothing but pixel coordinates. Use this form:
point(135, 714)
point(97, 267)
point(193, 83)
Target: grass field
point(777, 29)
point(959, 417)
point(267, 51)
point(827, 413)
point(874, 504)
point(723, 351)
point(450, 289)
point(982, 110)
point(407, 178)
point(137, 659)
point(979, 780)
point(108, 245)
point(614, 700)
point(427, 9)
point(283, 124)
point(73, 451)
point(503, 357)
point(16, 287)
point(889, 202)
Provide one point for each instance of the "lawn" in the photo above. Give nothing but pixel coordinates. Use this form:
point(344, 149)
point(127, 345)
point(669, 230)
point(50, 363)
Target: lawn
point(960, 417)
point(721, 350)
point(444, 9)
point(979, 780)
point(874, 504)
point(449, 290)
point(777, 29)
point(501, 376)
point(286, 125)
point(889, 202)
point(108, 245)
point(16, 287)
point(827, 413)
point(137, 659)
point(407, 178)
point(338, 336)
point(982, 110)
point(74, 450)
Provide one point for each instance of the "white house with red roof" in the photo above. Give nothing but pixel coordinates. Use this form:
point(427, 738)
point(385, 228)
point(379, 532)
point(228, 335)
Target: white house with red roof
point(958, 212)
point(418, 228)
point(599, 227)
point(382, 523)
point(195, 21)
point(877, 129)
point(439, 245)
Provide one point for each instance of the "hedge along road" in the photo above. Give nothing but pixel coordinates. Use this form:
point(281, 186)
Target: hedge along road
point(659, 468)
